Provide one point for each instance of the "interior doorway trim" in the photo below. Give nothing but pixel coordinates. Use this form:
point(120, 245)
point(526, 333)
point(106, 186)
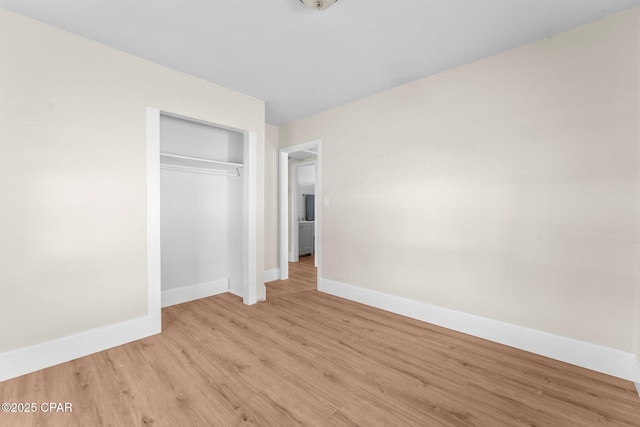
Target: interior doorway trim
point(283, 187)
point(250, 210)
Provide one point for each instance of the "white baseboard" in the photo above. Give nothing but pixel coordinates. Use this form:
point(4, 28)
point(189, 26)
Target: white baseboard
point(637, 381)
point(591, 356)
point(193, 292)
point(39, 356)
point(271, 275)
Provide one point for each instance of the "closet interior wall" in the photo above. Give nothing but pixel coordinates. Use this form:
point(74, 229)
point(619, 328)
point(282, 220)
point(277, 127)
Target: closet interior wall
point(201, 208)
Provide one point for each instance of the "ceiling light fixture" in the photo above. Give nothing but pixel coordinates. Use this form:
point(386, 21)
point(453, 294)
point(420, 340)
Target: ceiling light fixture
point(319, 4)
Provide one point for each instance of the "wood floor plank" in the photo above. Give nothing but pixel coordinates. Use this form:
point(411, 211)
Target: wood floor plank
point(307, 358)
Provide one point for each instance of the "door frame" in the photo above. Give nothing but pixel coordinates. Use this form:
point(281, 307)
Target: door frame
point(284, 209)
point(250, 209)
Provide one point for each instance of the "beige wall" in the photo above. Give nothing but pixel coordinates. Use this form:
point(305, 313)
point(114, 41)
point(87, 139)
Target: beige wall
point(507, 188)
point(72, 176)
point(638, 133)
point(271, 197)
point(637, 350)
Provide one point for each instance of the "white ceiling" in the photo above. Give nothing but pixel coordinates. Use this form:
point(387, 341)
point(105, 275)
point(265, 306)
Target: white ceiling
point(302, 61)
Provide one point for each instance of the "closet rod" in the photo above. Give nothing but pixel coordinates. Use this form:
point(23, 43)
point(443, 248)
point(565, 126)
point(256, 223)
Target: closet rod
point(199, 170)
point(217, 162)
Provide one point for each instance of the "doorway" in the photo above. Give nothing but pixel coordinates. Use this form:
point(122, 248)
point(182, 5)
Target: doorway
point(292, 219)
point(302, 191)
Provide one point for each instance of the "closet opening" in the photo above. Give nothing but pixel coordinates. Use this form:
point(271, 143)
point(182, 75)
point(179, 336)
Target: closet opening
point(202, 210)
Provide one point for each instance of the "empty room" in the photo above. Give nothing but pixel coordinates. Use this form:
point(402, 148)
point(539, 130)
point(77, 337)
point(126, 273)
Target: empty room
point(320, 212)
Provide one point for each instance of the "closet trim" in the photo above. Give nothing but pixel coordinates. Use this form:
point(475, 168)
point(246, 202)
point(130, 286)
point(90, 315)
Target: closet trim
point(154, 287)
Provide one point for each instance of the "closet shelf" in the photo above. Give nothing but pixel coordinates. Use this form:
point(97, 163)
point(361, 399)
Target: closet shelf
point(196, 164)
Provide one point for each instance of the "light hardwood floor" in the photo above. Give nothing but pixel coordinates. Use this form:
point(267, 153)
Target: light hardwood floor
point(307, 358)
